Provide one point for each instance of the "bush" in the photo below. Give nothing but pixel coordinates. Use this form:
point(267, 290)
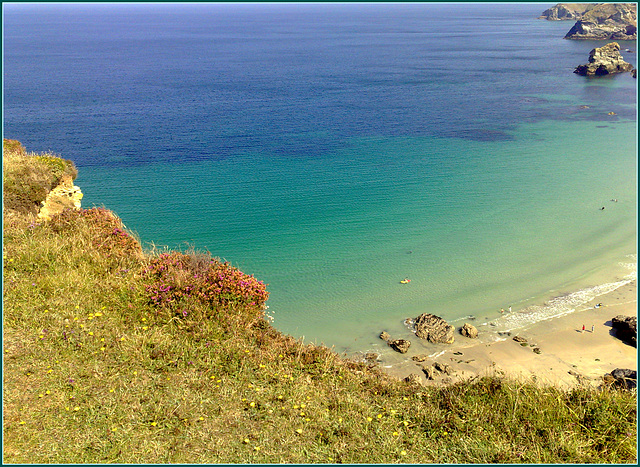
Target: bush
point(177, 280)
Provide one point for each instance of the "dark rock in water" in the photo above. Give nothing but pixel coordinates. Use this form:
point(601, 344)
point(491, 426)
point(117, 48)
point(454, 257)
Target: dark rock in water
point(626, 328)
point(469, 331)
point(519, 339)
point(634, 73)
point(622, 378)
point(419, 358)
point(434, 329)
point(384, 335)
point(606, 21)
point(604, 60)
point(413, 379)
point(400, 345)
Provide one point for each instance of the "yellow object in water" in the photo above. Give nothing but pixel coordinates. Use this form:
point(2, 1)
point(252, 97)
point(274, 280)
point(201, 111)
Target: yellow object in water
point(405, 281)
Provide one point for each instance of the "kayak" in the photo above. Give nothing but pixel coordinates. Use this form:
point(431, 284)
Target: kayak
point(405, 281)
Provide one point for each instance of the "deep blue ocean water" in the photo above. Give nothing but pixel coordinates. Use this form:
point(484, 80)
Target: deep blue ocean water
point(333, 150)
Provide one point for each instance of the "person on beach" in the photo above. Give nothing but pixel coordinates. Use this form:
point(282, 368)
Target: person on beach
point(501, 310)
point(509, 308)
point(583, 328)
point(592, 327)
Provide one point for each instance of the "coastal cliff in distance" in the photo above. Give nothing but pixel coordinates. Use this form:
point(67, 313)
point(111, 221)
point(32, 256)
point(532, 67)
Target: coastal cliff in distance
point(566, 11)
point(599, 21)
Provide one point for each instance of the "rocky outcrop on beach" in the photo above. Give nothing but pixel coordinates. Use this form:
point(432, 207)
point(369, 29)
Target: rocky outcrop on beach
point(413, 379)
point(436, 369)
point(434, 329)
point(626, 328)
point(604, 60)
point(399, 345)
point(622, 378)
point(614, 21)
point(65, 196)
point(566, 11)
point(470, 331)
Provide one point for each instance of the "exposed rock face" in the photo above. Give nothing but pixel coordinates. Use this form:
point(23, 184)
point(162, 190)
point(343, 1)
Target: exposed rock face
point(384, 335)
point(434, 329)
point(626, 328)
point(400, 345)
point(413, 379)
point(566, 11)
point(65, 196)
point(623, 378)
point(469, 330)
point(429, 371)
point(603, 61)
point(616, 21)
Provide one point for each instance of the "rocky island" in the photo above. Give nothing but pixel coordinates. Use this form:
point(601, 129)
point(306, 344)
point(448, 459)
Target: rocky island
point(599, 21)
point(603, 61)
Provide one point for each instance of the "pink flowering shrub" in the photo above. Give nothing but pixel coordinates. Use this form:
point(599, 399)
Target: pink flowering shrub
point(177, 280)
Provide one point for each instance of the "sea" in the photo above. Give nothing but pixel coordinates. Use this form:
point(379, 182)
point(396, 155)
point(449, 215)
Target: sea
point(333, 150)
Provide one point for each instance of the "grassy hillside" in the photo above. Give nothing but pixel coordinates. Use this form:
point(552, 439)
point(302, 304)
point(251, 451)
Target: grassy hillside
point(115, 355)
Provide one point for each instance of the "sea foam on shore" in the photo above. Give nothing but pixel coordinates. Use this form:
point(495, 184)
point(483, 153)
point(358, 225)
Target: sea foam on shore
point(560, 305)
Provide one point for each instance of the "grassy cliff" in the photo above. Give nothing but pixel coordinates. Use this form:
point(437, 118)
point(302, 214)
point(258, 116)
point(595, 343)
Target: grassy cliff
point(112, 354)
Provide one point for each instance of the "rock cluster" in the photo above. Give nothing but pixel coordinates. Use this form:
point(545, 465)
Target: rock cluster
point(399, 345)
point(431, 371)
point(626, 328)
point(603, 61)
point(434, 329)
point(65, 196)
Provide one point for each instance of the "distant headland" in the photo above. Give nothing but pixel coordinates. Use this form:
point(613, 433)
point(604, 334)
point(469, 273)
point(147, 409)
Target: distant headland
point(599, 21)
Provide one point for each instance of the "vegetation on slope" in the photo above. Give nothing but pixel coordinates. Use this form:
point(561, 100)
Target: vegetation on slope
point(115, 355)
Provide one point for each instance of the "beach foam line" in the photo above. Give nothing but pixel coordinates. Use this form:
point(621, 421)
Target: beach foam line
point(554, 308)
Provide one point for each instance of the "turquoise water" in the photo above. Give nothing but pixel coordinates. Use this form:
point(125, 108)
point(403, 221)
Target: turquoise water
point(476, 226)
point(333, 150)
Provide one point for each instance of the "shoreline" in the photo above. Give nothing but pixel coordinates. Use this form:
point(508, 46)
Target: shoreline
point(568, 357)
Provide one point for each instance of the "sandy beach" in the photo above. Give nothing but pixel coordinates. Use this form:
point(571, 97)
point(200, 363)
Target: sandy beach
point(568, 356)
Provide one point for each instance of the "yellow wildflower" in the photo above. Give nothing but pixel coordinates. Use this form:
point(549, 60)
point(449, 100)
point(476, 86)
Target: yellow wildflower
point(154, 423)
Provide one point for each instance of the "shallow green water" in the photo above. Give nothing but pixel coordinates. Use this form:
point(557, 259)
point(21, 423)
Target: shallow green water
point(476, 226)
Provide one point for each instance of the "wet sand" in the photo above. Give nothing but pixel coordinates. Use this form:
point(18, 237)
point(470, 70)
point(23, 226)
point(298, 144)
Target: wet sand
point(568, 356)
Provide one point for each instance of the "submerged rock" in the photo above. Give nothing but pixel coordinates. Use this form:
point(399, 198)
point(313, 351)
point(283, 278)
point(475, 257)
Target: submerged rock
point(434, 329)
point(603, 61)
point(384, 335)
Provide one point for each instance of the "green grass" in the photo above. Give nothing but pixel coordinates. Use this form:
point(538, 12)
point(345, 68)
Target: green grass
point(98, 369)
